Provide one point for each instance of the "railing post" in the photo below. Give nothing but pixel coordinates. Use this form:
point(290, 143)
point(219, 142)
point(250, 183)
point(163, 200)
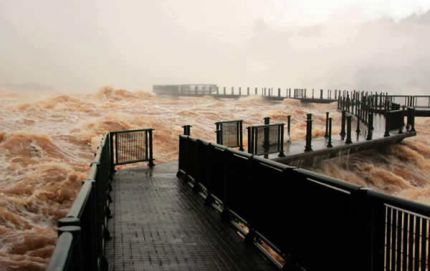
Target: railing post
point(329, 144)
point(342, 128)
point(247, 91)
point(308, 146)
point(250, 140)
point(256, 91)
point(240, 91)
point(281, 141)
point(218, 133)
point(348, 103)
point(240, 135)
point(321, 94)
point(344, 103)
point(266, 136)
point(326, 124)
point(151, 157)
point(224, 91)
point(111, 150)
point(387, 123)
point(348, 129)
point(358, 126)
point(187, 130)
point(289, 128)
point(411, 119)
point(402, 120)
point(357, 103)
point(370, 127)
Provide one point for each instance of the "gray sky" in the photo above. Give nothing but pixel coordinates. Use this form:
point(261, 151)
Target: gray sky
point(82, 45)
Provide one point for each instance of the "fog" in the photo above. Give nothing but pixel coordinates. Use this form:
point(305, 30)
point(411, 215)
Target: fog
point(82, 45)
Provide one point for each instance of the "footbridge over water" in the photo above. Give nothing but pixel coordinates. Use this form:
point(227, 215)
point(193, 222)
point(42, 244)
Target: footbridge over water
point(221, 208)
point(421, 103)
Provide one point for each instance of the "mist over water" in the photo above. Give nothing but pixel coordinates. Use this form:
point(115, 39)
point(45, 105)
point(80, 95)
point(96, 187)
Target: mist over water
point(351, 44)
point(46, 145)
point(51, 127)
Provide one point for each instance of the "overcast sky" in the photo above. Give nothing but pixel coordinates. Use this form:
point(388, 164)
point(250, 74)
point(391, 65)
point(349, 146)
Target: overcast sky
point(85, 44)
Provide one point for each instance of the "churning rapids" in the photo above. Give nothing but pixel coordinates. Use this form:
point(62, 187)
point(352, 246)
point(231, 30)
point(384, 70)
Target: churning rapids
point(46, 145)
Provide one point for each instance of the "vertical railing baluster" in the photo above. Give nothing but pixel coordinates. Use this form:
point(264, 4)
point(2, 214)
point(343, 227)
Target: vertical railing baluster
point(308, 146)
point(399, 241)
point(417, 243)
point(329, 144)
point(348, 129)
point(342, 128)
point(281, 140)
point(326, 124)
point(393, 240)
point(388, 235)
point(411, 243)
point(424, 237)
point(405, 240)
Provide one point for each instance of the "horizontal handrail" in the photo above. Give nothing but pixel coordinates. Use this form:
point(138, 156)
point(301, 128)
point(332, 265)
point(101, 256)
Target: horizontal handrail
point(80, 202)
point(401, 203)
point(132, 130)
point(300, 212)
point(265, 125)
point(328, 180)
point(227, 121)
point(62, 253)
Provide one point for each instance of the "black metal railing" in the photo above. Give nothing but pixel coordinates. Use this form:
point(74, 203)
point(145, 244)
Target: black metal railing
point(86, 220)
point(394, 120)
point(318, 222)
point(132, 146)
point(266, 139)
point(415, 101)
point(327, 95)
point(230, 133)
point(83, 231)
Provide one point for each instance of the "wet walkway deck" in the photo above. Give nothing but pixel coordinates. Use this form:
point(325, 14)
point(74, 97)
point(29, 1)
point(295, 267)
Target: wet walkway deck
point(160, 224)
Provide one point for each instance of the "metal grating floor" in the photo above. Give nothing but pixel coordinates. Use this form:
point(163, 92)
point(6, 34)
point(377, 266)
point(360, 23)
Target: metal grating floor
point(160, 224)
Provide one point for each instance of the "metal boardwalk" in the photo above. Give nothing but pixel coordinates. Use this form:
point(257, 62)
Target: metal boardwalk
point(159, 223)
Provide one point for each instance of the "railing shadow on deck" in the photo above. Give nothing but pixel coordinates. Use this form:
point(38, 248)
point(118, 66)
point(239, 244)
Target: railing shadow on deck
point(315, 222)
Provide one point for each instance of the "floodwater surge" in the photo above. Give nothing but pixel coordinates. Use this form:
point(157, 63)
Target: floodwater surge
point(46, 146)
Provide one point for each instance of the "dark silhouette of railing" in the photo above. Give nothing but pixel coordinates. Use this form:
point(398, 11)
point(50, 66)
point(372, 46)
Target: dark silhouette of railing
point(230, 133)
point(383, 102)
point(321, 96)
point(269, 139)
point(132, 146)
point(83, 231)
point(315, 222)
point(364, 106)
point(266, 139)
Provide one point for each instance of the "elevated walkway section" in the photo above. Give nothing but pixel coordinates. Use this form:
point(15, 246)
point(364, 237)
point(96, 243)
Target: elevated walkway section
point(160, 224)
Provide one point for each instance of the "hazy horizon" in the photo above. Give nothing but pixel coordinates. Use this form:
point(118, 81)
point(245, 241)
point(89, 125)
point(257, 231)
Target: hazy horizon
point(83, 45)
